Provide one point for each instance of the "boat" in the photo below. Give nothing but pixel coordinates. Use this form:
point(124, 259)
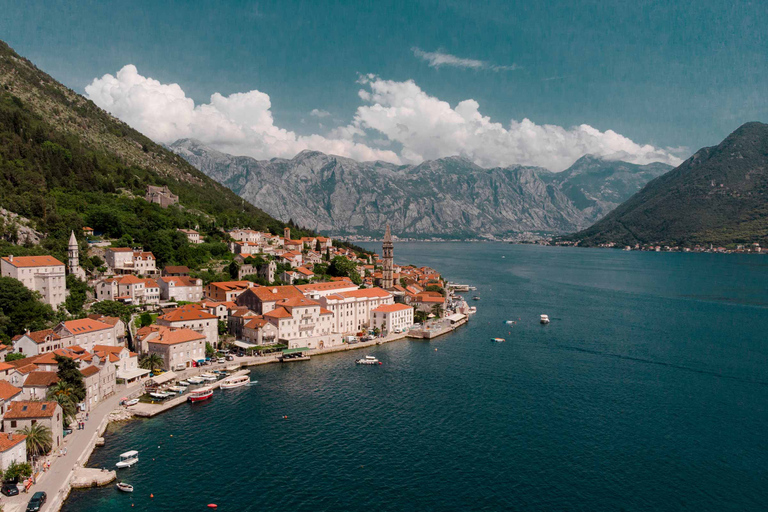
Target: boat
point(472, 310)
point(368, 360)
point(182, 383)
point(209, 377)
point(473, 288)
point(132, 401)
point(195, 380)
point(498, 340)
point(233, 368)
point(509, 322)
point(475, 298)
point(160, 394)
point(200, 394)
point(121, 486)
point(128, 459)
point(235, 382)
point(544, 319)
point(176, 389)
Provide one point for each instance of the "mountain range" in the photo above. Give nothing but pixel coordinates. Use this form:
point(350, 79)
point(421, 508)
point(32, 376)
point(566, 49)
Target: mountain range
point(448, 197)
point(718, 196)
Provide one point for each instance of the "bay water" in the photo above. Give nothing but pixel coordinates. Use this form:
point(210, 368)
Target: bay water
point(647, 391)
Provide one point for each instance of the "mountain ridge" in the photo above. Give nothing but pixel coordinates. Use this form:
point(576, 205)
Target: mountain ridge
point(450, 196)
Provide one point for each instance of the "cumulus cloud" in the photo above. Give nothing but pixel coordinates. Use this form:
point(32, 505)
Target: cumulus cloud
point(438, 59)
point(400, 116)
point(319, 113)
point(240, 123)
point(427, 128)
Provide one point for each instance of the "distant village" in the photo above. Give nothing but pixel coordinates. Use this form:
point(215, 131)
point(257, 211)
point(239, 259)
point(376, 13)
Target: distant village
point(275, 303)
point(753, 248)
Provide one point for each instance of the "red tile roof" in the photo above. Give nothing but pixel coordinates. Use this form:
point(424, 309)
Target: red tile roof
point(39, 336)
point(278, 313)
point(41, 379)
point(321, 287)
point(88, 372)
point(28, 409)
point(176, 336)
point(8, 390)
point(185, 314)
point(275, 293)
point(391, 308)
point(32, 261)
point(8, 441)
point(85, 325)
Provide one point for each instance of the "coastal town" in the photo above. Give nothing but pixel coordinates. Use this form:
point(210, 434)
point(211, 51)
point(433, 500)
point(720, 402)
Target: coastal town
point(147, 335)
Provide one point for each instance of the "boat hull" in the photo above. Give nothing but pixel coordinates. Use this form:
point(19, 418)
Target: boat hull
point(200, 398)
point(233, 385)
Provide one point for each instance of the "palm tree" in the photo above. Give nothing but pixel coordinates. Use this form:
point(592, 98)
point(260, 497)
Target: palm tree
point(151, 362)
point(437, 310)
point(38, 439)
point(64, 395)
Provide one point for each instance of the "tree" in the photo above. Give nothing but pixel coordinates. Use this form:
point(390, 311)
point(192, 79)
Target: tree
point(152, 362)
point(342, 267)
point(77, 294)
point(420, 317)
point(223, 328)
point(14, 356)
point(17, 470)
point(234, 270)
point(70, 375)
point(114, 308)
point(64, 395)
point(435, 288)
point(38, 439)
point(209, 350)
point(145, 319)
point(437, 310)
point(21, 309)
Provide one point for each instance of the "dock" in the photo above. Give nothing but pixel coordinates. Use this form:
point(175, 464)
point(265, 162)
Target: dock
point(439, 328)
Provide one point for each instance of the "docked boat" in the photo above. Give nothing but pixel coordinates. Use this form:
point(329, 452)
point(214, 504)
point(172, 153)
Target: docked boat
point(195, 380)
point(160, 394)
point(368, 360)
point(122, 486)
point(232, 368)
point(235, 382)
point(544, 319)
point(132, 401)
point(128, 459)
point(209, 377)
point(498, 340)
point(176, 389)
point(473, 288)
point(472, 310)
point(182, 383)
point(198, 395)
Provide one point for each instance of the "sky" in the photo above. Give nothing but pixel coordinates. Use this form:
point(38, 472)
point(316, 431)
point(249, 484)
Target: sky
point(499, 82)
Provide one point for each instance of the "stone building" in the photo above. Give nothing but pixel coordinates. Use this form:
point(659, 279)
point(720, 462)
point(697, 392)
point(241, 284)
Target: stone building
point(44, 274)
point(161, 195)
point(73, 253)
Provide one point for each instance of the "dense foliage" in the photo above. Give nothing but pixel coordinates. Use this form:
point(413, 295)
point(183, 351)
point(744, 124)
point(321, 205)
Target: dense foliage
point(21, 309)
point(69, 375)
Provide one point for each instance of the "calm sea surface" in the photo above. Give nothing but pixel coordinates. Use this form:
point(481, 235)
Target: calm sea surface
point(648, 391)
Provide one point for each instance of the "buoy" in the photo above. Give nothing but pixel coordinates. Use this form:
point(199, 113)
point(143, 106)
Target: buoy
point(379, 363)
point(171, 435)
point(151, 495)
point(212, 505)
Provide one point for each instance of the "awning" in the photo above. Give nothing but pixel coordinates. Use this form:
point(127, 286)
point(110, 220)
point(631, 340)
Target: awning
point(290, 351)
point(244, 345)
point(456, 317)
point(132, 374)
point(161, 379)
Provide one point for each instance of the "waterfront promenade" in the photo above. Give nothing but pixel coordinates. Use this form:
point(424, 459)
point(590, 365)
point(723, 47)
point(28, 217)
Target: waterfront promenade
point(79, 445)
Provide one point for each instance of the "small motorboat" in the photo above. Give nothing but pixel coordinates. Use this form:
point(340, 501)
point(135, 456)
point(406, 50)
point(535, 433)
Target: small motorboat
point(176, 389)
point(368, 360)
point(195, 380)
point(209, 377)
point(472, 310)
point(475, 298)
point(161, 395)
point(122, 486)
point(132, 401)
point(200, 394)
point(498, 340)
point(182, 383)
point(509, 322)
point(128, 459)
point(235, 382)
point(544, 319)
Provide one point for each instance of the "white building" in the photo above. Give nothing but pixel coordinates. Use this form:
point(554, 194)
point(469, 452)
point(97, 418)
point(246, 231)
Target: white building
point(193, 236)
point(13, 448)
point(352, 310)
point(124, 260)
point(303, 322)
point(177, 347)
point(194, 319)
point(44, 274)
point(181, 288)
point(392, 318)
point(86, 333)
point(129, 289)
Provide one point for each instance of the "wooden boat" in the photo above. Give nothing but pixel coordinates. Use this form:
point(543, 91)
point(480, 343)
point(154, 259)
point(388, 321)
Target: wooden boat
point(200, 394)
point(235, 382)
point(121, 486)
point(128, 459)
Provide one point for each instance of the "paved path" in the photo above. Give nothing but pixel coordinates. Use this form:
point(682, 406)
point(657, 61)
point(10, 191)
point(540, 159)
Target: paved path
point(55, 482)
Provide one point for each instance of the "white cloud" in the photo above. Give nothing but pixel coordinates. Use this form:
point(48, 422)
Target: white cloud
point(239, 124)
point(429, 128)
point(438, 59)
point(398, 115)
point(319, 113)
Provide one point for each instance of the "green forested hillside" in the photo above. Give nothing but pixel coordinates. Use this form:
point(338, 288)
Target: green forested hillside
point(718, 196)
point(65, 164)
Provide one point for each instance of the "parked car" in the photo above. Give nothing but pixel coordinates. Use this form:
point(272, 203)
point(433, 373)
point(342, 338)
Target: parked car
point(230, 357)
point(10, 489)
point(37, 501)
point(179, 367)
point(221, 360)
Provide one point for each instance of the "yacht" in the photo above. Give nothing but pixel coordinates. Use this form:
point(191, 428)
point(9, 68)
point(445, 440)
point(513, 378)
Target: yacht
point(235, 382)
point(128, 459)
point(368, 360)
point(544, 319)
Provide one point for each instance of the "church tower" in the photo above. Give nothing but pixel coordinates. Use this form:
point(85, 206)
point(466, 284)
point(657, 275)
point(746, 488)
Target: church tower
point(387, 278)
point(73, 251)
point(287, 233)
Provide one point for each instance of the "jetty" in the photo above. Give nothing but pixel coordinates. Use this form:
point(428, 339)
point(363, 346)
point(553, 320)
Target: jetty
point(440, 327)
point(85, 478)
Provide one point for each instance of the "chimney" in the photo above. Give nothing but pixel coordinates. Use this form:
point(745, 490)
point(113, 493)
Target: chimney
point(10, 257)
point(10, 436)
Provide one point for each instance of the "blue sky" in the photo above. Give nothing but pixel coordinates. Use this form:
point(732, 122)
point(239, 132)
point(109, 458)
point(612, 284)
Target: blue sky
point(664, 74)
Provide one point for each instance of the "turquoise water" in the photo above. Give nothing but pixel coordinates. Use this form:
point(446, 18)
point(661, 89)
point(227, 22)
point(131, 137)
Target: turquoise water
point(648, 391)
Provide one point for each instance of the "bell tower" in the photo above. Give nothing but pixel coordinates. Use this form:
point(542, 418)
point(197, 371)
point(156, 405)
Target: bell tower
point(387, 277)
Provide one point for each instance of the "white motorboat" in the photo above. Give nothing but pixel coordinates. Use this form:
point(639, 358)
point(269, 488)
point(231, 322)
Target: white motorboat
point(121, 486)
point(472, 310)
point(128, 459)
point(176, 389)
point(132, 401)
point(498, 340)
point(544, 319)
point(160, 394)
point(509, 322)
point(209, 377)
point(182, 383)
point(195, 380)
point(235, 382)
point(368, 360)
